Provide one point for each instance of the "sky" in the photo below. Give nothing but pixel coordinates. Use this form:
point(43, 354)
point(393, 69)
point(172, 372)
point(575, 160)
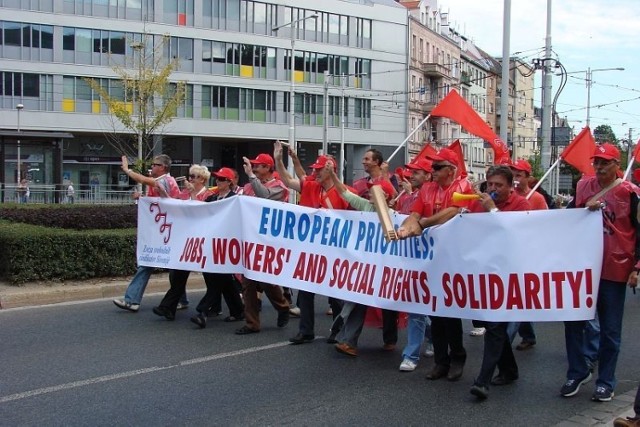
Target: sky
point(585, 34)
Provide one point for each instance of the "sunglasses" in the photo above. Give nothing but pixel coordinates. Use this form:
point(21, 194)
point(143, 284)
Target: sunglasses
point(157, 164)
point(220, 179)
point(439, 167)
point(193, 176)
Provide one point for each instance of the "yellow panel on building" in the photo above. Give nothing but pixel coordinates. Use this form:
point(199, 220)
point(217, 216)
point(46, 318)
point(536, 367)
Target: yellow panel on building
point(299, 76)
point(95, 107)
point(68, 105)
point(246, 71)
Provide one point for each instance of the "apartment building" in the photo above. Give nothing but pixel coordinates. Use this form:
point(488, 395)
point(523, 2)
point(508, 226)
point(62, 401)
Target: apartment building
point(237, 73)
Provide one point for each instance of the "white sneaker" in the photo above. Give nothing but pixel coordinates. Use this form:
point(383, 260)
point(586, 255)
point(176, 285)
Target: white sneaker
point(126, 305)
point(408, 365)
point(477, 332)
point(295, 311)
point(428, 350)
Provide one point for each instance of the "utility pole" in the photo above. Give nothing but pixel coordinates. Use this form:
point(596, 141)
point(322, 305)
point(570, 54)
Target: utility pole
point(504, 87)
point(547, 103)
point(19, 108)
point(342, 111)
point(325, 115)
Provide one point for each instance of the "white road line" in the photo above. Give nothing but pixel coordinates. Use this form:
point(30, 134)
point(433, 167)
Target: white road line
point(129, 374)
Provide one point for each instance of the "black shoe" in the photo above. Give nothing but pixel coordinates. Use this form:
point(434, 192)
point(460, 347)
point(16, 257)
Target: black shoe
point(437, 372)
point(501, 379)
point(200, 320)
point(164, 312)
point(234, 318)
point(283, 318)
point(301, 339)
point(245, 330)
point(332, 338)
point(480, 391)
point(455, 371)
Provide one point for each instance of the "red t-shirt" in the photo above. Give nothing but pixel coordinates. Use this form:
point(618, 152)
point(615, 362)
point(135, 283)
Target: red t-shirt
point(432, 198)
point(313, 195)
point(514, 202)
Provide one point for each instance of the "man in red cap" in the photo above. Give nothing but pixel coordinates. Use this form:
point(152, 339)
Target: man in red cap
point(521, 171)
point(262, 184)
point(618, 201)
point(420, 172)
point(319, 192)
point(375, 167)
point(435, 205)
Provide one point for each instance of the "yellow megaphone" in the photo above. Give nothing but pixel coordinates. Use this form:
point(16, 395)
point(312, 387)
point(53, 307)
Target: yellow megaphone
point(459, 197)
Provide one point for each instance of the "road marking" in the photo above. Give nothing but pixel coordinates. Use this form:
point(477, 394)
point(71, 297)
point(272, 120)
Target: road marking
point(129, 374)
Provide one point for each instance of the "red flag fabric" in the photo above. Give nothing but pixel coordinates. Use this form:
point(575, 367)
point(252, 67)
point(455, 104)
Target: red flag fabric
point(426, 150)
point(578, 153)
point(454, 107)
point(636, 152)
point(462, 167)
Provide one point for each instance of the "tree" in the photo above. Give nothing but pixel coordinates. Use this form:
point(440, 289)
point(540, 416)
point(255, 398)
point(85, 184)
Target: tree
point(604, 133)
point(142, 99)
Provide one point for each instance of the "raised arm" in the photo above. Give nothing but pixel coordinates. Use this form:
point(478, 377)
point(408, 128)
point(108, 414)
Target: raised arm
point(288, 180)
point(139, 178)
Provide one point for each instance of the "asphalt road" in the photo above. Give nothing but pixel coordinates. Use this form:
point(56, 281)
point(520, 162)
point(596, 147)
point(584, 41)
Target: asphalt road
point(92, 364)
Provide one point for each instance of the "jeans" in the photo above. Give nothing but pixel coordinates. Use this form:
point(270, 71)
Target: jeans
point(592, 341)
point(610, 309)
point(138, 284)
point(524, 329)
point(416, 329)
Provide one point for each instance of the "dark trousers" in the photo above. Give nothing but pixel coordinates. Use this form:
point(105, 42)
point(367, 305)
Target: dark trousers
point(497, 352)
point(306, 304)
point(446, 334)
point(250, 294)
point(178, 281)
point(218, 285)
point(389, 326)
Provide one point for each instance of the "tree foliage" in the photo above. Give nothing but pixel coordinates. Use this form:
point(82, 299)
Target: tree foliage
point(150, 102)
point(604, 133)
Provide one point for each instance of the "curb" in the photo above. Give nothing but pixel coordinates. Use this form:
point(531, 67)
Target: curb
point(45, 293)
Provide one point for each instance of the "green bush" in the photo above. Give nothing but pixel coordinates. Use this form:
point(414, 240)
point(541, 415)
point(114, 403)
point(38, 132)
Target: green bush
point(66, 249)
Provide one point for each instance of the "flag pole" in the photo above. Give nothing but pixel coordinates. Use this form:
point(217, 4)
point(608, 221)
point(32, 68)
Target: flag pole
point(546, 174)
point(407, 138)
point(629, 166)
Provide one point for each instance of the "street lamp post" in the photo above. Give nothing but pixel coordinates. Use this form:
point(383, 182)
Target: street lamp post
point(19, 108)
point(589, 82)
point(292, 87)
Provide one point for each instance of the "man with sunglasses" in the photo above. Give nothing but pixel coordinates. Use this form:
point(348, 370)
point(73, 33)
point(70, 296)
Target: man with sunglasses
point(435, 205)
point(159, 184)
point(618, 201)
point(262, 184)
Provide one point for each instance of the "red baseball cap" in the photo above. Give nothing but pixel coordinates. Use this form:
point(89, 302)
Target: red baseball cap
point(403, 173)
point(263, 159)
point(521, 165)
point(388, 189)
point(225, 173)
point(420, 164)
point(321, 161)
point(445, 155)
point(606, 151)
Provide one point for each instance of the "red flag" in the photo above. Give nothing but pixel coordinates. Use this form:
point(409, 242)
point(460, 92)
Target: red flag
point(578, 153)
point(636, 152)
point(462, 167)
point(426, 150)
point(454, 107)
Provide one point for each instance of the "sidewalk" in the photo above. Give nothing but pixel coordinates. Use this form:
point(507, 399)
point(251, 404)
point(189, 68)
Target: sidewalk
point(43, 293)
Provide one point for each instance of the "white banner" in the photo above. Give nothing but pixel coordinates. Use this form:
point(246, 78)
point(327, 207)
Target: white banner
point(515, 266)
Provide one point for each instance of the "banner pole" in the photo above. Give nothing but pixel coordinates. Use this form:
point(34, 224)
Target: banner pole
point(629, 166)
point(546, 174)
point(407, 138)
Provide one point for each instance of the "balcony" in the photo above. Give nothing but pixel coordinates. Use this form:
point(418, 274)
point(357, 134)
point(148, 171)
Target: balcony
point(465, 78)
point(436, 70)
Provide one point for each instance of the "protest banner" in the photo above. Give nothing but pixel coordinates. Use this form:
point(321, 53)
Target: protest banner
point(506, 266)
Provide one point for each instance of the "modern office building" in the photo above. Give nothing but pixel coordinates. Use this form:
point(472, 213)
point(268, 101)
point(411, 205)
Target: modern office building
point(236, 67)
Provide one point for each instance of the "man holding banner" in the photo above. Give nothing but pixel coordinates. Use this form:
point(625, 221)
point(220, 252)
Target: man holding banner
point(435, 205)
point(499, 196)
point(618, 202)
point(262, 184)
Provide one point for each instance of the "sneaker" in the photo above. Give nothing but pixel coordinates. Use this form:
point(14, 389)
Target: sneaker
point(477, 332)
point(571, 387)
point(408, 365)
point(126, 305)
point(480, 391)
point(295, 311)
point(428, 350)
point(602, 394)
point(182, 306)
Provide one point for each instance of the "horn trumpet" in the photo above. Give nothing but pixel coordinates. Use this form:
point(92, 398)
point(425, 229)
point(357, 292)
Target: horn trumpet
point(459, 197)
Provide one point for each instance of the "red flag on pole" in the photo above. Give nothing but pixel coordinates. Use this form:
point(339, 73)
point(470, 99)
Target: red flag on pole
point(456, 147)
point(426, 150)
point(578, 153)
point(636, 152)
point(454, 107)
